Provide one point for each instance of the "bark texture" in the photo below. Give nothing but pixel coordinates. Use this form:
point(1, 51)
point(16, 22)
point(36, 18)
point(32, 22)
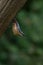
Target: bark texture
point(8, 10)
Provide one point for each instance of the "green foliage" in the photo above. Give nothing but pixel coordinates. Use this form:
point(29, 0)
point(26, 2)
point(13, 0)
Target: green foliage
point(27, 50)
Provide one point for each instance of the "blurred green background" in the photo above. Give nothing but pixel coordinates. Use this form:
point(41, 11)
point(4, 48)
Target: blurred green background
point(27, 50)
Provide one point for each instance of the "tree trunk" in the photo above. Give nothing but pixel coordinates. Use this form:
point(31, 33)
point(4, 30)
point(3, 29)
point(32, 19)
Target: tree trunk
point(8, 10)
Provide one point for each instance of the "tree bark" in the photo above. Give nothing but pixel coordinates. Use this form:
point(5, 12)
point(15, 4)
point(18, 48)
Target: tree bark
point(8, 10)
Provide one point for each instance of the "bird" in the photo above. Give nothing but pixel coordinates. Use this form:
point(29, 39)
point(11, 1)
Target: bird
point(16, 28)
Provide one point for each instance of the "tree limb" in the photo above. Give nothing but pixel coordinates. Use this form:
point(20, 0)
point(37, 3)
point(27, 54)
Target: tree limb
point(8, 10)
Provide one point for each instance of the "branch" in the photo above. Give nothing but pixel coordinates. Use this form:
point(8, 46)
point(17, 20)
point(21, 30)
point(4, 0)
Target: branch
point(8, 10)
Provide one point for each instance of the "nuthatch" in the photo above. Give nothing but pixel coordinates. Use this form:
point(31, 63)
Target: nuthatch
point(16, 29)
